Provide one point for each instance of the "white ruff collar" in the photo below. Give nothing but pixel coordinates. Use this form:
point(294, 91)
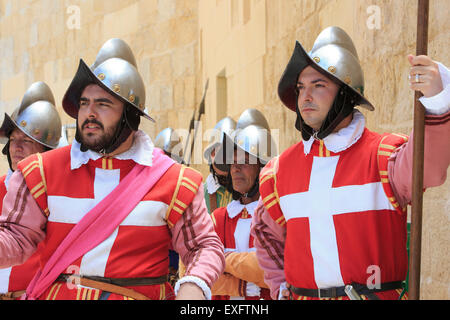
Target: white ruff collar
point(235, 207)
point(140, 152)
point(211, 184)
point(344, 138)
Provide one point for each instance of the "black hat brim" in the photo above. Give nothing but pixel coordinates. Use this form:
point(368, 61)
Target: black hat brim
point(288, 81)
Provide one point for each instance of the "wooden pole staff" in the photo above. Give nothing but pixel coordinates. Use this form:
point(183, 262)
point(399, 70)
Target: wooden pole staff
point(201, 110)
point(418, 158)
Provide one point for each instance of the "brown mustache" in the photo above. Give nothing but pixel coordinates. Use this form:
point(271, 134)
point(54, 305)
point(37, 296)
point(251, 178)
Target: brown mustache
point(87, 121)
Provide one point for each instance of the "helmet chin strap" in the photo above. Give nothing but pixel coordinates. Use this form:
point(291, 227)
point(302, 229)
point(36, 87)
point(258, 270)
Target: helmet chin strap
point(8, 156)
point(120, 135)
point(253, 191)
point(343, 105)
point(249, 194)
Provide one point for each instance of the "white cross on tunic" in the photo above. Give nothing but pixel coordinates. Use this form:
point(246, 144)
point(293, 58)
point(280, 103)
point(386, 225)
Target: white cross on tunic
point(319, 204)
point(72, 210)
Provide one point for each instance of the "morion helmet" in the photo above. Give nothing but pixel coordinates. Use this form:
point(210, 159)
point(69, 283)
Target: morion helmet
point(36, 116)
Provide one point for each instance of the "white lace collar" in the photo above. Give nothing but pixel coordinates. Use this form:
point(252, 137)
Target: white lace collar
point(235, 207)
point(140, 152)
point(344, 138)
point(211, 184)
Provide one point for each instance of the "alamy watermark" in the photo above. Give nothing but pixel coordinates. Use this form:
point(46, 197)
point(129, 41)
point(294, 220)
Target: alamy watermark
point(374, 280)
point(73, 281)
point(74, 19)
point(374, 19)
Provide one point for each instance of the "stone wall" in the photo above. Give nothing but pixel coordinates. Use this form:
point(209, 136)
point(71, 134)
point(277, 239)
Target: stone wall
point(241, 47)
point(53, 35)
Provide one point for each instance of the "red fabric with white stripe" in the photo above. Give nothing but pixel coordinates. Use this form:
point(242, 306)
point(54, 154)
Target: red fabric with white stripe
point(226, 227)
point(339, 219)
point(137, 248)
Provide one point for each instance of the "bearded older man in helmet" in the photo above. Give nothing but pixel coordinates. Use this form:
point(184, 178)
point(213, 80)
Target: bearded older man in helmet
point(35, 126)
point(333, 207)
point(109, 206)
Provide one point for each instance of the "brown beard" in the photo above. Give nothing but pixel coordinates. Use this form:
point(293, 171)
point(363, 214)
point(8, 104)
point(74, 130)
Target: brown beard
point(101, 142)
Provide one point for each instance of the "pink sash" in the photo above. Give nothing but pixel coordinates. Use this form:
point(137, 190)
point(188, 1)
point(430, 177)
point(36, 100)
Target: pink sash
point(99, 223)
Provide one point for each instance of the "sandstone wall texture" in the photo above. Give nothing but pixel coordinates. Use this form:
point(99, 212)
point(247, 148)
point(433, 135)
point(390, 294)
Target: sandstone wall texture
point(241, 48)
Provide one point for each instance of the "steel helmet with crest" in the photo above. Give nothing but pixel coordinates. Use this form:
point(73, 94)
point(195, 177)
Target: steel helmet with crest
point(249, 116)
point(253, 137)
point(334, 55)
point(257, 142)
point(115, 71)
point(36, 116)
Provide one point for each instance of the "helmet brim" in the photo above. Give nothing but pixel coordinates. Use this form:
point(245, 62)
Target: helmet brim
point(7, 126)
point(288, 81)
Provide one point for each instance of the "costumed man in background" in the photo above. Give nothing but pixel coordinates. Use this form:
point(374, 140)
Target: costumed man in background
point(216, 194)
point(35, 126)
point(333, 209)
point(110, 238)
point(250, 149)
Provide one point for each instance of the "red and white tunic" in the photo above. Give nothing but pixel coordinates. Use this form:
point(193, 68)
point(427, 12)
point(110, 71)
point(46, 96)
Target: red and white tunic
point(66, 184)
point(232, 224)
point(332, 217)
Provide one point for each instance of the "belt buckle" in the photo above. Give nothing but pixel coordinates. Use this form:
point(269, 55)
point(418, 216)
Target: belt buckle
point(318, 293)
point(327, 293)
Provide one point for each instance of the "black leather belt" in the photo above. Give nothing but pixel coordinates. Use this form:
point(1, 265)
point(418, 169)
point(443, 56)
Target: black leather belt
point(339, 291)
point(123, 282)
